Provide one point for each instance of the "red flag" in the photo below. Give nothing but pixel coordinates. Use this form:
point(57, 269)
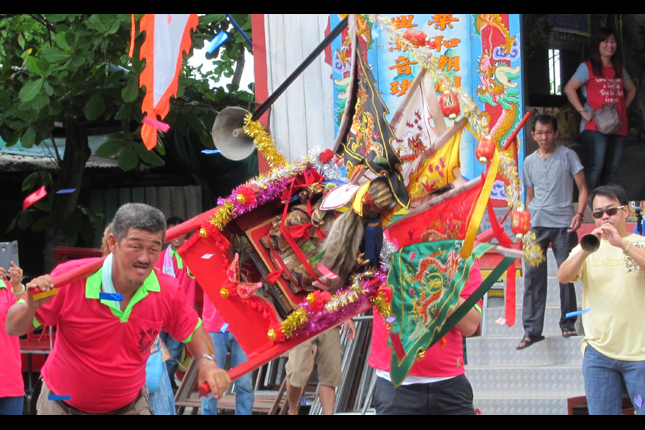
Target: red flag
point(447, 220)
point(34, 197)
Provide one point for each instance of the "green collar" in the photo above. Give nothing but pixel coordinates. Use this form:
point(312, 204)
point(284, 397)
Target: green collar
point(180, 263)
point(3, 285)
point(93, 288)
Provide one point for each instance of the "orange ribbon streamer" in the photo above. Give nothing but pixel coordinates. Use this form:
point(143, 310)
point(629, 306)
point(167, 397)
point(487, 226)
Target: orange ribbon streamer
point(133, 31)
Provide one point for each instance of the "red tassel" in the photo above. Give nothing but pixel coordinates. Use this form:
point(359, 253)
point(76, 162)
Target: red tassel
point(510, 295)
point(300, 231)
point(485, 236)
point(498, 230)
point(397, 345)
point(273, 277)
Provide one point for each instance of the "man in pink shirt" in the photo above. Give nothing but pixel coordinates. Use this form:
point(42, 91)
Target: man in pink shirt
point(12, 387)
point(99, 359)
point(171, 263)
point(436, 384)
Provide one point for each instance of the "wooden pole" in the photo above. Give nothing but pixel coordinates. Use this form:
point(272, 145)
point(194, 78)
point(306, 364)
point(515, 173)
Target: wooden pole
point(271, 354)
point(442, 140)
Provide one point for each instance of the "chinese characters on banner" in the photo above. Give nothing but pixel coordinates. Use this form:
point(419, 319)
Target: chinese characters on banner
point(480, 53)
point(448, 59)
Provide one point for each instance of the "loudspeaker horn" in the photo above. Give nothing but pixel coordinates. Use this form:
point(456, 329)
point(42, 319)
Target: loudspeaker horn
point(228, 134)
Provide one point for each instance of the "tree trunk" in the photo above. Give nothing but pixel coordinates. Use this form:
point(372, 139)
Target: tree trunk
point(239, 69)
point(70, 175)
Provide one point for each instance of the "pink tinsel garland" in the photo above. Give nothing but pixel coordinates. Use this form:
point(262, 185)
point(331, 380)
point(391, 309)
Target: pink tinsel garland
point(323, 319)
point(273, 191)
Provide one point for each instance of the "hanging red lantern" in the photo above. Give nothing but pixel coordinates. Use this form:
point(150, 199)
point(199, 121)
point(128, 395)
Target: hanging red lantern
point(520, 223)
point(416, 37)
point(449, 105)
point(485, 149)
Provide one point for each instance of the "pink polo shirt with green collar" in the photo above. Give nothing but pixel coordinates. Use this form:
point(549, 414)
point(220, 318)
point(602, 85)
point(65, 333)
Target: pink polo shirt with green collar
point(11, 383)
point(99, 357)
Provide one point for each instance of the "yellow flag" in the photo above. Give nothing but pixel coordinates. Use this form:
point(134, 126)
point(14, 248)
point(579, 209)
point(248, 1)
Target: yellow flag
point(437, 171)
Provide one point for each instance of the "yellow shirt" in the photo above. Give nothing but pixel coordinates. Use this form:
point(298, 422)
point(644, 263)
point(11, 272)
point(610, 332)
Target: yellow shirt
point(614, 289)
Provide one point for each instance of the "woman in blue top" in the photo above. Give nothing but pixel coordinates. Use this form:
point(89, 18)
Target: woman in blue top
point(604, 81)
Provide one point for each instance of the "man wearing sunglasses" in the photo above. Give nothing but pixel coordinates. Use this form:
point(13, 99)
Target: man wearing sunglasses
point(614, 291)
point(549, 175)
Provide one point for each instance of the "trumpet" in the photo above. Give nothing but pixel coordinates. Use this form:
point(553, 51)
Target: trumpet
point(590, 243)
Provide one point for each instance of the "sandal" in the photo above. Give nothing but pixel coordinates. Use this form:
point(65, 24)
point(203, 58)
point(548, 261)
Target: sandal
point(569, 332)
point(528, 340)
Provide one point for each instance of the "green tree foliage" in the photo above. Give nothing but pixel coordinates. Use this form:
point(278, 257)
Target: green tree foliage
point(73, 69)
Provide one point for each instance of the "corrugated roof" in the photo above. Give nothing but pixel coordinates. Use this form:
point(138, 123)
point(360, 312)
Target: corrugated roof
point(19, 159)
point(26, 163)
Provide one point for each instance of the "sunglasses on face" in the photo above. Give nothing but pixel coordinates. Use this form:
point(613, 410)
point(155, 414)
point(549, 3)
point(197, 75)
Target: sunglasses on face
point(610, 212)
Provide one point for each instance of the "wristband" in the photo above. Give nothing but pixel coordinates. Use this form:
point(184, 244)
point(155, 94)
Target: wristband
point(629, 245)
point(19, 292)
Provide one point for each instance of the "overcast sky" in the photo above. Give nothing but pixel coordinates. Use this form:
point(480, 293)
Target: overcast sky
point(199, 57)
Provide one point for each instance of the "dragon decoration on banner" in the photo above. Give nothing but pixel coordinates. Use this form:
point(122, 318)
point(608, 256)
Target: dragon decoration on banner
point(362, 223)
point(495, 86)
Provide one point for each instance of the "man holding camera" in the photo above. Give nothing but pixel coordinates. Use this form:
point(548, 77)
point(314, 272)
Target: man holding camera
point(614, 291)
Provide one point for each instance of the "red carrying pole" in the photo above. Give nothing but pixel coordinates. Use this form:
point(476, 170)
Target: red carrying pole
point(89, 268)
point(512, 137)
point(270, 354)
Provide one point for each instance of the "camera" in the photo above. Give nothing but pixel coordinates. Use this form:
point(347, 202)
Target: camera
point(8, 253)
point(637, 207)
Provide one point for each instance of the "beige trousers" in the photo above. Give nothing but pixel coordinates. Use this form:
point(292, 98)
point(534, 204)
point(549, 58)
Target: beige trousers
point(46, 407)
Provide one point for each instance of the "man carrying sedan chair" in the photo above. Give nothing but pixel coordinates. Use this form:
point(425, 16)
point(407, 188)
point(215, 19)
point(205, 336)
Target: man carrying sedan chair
point(98, 364)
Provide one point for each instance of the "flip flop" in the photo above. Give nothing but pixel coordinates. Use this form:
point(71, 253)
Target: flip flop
point(569, 333)
point(529, 340)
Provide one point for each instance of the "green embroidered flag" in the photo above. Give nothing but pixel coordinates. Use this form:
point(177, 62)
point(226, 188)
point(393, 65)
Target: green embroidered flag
point(426, 280)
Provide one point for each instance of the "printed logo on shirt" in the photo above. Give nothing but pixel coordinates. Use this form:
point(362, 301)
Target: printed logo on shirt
point(629, 263)
point(611, 94)
point(147, 339)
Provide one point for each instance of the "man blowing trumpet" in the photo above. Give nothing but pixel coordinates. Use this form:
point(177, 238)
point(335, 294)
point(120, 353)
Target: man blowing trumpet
point(614, 290)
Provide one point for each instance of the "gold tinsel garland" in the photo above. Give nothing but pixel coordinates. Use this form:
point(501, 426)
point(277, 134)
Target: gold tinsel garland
point(350, 296)
point(223, 215)
point(263, 142)
point(298, 317)
point(293, 322)
point(508, 170)
point(285, 170)
point(227, 211)
point(533, 254)
point(382, 306)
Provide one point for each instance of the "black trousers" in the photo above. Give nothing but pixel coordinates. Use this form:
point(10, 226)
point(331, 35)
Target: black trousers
point(450, 397)
point(535, 282)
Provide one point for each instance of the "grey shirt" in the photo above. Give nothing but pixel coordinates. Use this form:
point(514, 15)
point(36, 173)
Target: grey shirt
point(552, 181)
